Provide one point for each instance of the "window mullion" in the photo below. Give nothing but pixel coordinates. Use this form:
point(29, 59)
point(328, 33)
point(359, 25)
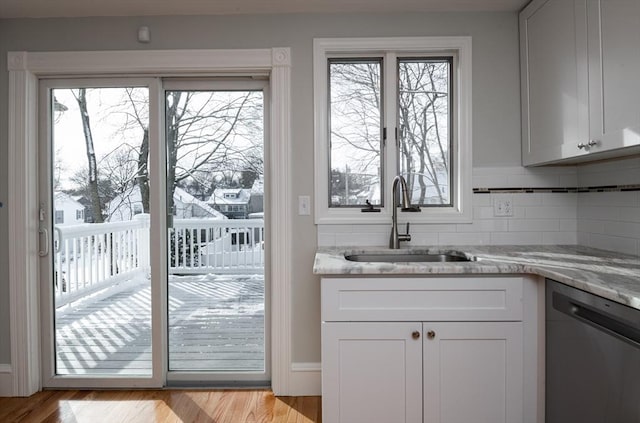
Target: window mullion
point(390, 151)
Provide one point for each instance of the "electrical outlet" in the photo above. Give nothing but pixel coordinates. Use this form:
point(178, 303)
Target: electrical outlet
point(503, 208)
point(304, 205)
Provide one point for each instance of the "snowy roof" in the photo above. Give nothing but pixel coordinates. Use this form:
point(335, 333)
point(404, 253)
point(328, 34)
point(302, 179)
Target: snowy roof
point(60, 196)
point(230, 196)
point(258, 186)
point(186, 198)
point(133, 196)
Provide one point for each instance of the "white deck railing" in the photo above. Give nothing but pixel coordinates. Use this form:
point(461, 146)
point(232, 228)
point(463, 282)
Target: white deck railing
point(90, 257)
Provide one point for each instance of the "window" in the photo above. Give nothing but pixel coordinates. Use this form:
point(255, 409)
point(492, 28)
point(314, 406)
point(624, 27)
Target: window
point(59, 217)
point(355, 131)
point(79, 214)
point(389, 106)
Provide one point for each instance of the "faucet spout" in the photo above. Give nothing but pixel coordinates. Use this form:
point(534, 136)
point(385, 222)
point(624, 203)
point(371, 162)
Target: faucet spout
point(395, 238)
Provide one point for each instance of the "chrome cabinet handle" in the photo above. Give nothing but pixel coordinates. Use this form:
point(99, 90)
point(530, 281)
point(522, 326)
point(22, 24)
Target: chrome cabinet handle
point(44, 252)
point(591, 143)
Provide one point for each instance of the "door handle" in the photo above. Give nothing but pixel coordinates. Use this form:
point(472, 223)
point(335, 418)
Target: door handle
point(45, 252)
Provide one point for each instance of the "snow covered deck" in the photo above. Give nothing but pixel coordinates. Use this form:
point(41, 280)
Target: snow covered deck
point(216, 322)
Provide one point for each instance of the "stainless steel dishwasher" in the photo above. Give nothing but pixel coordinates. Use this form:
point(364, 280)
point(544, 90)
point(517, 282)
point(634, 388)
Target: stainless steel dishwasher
point(592, 358)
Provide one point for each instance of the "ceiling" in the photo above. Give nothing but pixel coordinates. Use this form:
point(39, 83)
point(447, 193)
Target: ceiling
point(83, 8)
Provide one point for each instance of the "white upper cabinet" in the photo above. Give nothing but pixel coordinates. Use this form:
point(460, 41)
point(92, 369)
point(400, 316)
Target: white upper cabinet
point(614, 73)
point(580, 91)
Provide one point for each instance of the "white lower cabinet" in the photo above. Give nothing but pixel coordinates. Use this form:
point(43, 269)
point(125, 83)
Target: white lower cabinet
point(449, 371)
point(371, 372)
point(472, 372)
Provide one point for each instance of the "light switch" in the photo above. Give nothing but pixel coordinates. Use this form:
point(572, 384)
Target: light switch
point(304, 205)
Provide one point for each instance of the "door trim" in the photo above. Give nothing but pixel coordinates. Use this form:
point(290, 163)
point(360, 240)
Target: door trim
point(25, 69)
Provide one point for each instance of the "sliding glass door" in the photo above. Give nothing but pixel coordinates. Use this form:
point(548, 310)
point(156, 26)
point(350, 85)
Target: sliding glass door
point(216, 253)
point(123, 306)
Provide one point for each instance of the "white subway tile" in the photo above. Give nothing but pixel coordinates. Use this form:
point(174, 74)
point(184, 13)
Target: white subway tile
point(560, 199)
point(560, 238)
point(519, 212)
point(527, 199)
point(568, 225)
point(424, 239)
point(612, 243)
point(591, 226)
point(622, 229)
point(376, 229)
point(485, 225)
point(482, 213)
point(550, 212)
point(608, 199)
point(516, 238)
point(527, 225)
point(482, 200)
point(467, 238)
point(430, 229)
point(362, 239)
point(326, 240)
point(599, 213)
point(630, 214)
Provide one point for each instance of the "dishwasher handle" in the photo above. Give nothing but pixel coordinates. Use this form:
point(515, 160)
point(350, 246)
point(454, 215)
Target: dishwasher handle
point(608, 324)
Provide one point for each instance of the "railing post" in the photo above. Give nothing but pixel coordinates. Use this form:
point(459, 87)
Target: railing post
point(142, 242)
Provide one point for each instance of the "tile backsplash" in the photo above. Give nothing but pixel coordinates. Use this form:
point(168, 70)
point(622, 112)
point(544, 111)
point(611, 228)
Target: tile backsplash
point(610, 220)
point(551, 205)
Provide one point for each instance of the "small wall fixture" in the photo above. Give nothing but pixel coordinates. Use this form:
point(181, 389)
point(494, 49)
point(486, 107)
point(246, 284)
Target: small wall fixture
point(144, 36)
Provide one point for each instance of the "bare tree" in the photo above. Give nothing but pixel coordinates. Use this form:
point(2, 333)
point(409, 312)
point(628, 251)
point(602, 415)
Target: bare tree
point(92, 175)
point(423, 115)
point(423, 120)
point(210, 135)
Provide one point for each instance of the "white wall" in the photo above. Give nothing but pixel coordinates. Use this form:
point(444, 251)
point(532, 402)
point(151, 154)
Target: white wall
point(496, 111)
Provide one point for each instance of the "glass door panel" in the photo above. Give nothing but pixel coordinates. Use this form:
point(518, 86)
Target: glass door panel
point(216, 252)
point(100, 227)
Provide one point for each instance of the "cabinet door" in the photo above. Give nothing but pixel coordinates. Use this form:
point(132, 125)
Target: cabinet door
point(614, 69)
point(473, 372)
point(554, 80)
point(371, 372)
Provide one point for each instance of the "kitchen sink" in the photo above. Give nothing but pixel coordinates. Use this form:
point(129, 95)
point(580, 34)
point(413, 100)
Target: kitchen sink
point(408, 256)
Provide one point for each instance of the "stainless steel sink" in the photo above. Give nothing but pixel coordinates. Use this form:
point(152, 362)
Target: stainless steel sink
point(409, 256)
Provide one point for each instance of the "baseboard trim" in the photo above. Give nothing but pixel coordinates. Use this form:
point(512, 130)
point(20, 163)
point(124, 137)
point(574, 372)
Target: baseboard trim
point(305, 379)
point(6, 380)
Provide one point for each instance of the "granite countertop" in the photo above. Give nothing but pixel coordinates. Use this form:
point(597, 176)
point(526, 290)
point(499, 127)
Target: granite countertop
point(608, 274)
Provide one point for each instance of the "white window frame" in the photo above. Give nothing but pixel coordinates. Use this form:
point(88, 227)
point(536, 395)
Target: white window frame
point(25, 70)
point(460, 47)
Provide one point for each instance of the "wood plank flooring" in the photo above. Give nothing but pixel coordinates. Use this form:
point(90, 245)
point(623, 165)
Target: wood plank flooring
point(150, 406)
point(216, 322)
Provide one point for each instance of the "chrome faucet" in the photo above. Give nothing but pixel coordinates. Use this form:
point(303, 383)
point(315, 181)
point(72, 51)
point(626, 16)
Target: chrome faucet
point(395, 238)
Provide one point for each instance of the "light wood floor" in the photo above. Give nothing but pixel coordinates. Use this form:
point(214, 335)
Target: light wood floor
point(150, 406)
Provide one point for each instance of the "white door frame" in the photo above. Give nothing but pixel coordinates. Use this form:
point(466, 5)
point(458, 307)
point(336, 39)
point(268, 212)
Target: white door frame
point(25, 69)
point(157, 237)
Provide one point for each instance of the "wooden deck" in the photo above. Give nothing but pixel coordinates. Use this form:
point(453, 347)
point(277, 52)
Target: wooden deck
point(216, 323)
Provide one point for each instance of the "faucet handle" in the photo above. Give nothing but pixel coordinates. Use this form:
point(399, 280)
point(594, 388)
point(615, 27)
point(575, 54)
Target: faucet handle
point(405, 236)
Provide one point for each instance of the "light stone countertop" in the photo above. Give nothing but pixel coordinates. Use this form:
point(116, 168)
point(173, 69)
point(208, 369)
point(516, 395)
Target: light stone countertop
point(608, 274)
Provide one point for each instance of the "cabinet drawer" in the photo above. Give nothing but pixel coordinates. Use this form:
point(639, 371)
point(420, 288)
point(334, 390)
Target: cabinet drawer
point(418, 299)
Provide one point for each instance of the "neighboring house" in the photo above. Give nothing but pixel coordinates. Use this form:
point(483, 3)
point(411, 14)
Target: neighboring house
point(232, 202)
point(256, 201)
point(67, 210)
point(431, 195)
point(124, 206)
